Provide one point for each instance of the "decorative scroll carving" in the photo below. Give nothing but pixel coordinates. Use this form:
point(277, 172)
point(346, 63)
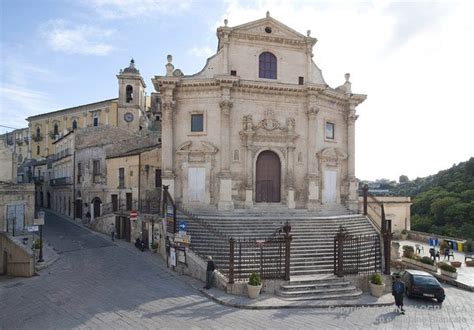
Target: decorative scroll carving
point(313, 111)
point(168, 105)
point(226, 105)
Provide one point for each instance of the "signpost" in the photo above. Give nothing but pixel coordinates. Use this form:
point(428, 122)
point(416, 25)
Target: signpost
point(133, 215)
point(40, 222)
point(32, 228)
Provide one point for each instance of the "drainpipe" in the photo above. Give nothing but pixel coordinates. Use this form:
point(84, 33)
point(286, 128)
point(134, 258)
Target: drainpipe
point(139, 181)
point(74, 185)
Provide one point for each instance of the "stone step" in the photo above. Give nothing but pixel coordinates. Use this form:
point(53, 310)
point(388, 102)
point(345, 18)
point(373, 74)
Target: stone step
point(312, 290)
point(330, 296)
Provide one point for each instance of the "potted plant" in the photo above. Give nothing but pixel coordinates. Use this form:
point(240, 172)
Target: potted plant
point(456, 264)
point(154, 247)
point(36, 247)
point(404, 234)
point(448, 270)
point(470, 263)
point(254, 285)
point(408, 251)
point(376, 284)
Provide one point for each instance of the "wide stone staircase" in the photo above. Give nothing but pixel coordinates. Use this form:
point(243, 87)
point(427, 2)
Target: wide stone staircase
point(312, 246)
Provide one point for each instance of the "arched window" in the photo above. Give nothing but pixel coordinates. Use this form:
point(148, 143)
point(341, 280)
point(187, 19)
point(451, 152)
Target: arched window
point(267, 66)
point(236, 155)
point(38, 132)
point(37, 150)
point(56, 129)
point(74, 124)
point(129, 93)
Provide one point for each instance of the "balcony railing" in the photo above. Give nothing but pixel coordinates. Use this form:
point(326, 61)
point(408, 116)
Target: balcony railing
point(60, 181)
point(38, 179)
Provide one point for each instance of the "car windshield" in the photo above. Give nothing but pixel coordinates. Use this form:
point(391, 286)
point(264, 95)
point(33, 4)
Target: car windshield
point(425, 280)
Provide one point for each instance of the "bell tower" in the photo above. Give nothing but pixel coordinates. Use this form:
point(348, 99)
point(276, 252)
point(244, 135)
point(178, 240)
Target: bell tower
point(131, 101)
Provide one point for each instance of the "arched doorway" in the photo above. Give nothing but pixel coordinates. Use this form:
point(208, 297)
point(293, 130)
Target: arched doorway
point(96, 202)
point(267, 181)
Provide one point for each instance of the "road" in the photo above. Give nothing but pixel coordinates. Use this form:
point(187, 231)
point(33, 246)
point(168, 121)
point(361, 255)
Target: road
point(97, 283)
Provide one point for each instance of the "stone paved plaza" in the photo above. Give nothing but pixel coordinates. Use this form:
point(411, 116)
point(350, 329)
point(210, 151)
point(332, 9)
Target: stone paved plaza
point(96, 283)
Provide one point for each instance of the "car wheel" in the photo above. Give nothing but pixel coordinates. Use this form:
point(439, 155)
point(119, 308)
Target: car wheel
point(440, 300)
point(407, 293)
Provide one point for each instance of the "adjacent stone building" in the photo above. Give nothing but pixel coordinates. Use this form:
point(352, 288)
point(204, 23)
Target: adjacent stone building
point(259, 125)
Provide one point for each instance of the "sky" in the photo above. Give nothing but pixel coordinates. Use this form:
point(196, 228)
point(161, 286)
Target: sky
point(414, 60)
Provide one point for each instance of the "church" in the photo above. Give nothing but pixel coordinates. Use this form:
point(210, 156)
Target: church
point(258, 125)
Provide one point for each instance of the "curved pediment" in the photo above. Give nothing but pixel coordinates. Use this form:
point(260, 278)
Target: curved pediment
point(204, 147)
point(332, 154)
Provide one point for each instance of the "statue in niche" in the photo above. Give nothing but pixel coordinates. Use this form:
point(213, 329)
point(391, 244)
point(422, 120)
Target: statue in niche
point(290, 124)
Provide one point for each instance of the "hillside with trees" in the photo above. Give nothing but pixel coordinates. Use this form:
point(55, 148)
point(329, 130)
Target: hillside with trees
point(443, 203)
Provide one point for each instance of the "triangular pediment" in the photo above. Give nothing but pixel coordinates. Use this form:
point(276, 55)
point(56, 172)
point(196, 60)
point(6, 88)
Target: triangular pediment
point(270, 27)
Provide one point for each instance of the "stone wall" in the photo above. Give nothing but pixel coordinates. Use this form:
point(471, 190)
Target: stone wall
point(19, 258)
point(397, 209)
point(17, 194)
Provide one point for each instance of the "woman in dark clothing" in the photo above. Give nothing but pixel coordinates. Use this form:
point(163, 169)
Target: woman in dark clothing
point(398, 290)
point(209, 272)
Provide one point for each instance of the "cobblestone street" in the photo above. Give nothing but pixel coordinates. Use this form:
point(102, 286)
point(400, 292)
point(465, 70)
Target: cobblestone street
point(97, 283)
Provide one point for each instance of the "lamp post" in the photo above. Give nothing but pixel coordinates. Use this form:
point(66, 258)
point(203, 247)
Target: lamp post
point(41, 224)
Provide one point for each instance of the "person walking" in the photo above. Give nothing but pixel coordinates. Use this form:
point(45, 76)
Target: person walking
point(112, 234)
point(398, 290)
point(209, 272)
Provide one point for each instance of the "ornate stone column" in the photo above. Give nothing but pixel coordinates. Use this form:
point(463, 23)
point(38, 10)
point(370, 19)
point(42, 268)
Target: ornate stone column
point(351, 178)
point(248, 138)
point(65, 123)
point(168, 176)
point(225, 179)
point(290, 166)
point(313, 168)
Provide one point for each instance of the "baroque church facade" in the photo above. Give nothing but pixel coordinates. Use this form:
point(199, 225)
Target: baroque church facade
point(258, 125)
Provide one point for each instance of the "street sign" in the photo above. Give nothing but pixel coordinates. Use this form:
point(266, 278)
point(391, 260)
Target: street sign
point(133, 215)
point(32, 228)
point(180, 238)
point(182, 225)
point(38, 222)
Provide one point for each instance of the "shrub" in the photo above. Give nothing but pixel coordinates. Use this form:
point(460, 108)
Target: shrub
point(404, 232)
point(376, 279)
point(443, 245)
point(255, 279)
point(427, 260)
point(37, 244)
point(408, 251)
point(448, 268)
point(468, 245)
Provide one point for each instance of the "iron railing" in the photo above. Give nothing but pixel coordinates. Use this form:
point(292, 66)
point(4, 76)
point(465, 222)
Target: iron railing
point(60, 181)
point(356, 254)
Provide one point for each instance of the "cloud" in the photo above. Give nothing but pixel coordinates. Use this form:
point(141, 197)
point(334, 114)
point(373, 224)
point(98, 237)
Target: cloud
point(17, 103)
point(65, 37)
point(204, 51)
point(115, 9)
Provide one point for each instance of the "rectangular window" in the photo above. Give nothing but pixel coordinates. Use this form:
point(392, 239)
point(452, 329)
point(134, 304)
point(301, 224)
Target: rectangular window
point(96, 170)
point(114, 203)
point(329, 131)
point(300, 80)
point(96, 121)
point(197, 123)
point(128, 197)
point(233, 72)
point(157, 178)
point(79, 172)
point(121, 178)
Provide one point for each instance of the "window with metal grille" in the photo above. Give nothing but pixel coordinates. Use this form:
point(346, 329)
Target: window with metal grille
point(329, 131)
point(197, 123)
point(96, 171)
point(267, 66)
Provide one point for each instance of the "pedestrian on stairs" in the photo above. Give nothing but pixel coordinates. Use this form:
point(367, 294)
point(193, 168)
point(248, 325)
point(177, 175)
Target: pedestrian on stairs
point(398, 290)
point(209, 272)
